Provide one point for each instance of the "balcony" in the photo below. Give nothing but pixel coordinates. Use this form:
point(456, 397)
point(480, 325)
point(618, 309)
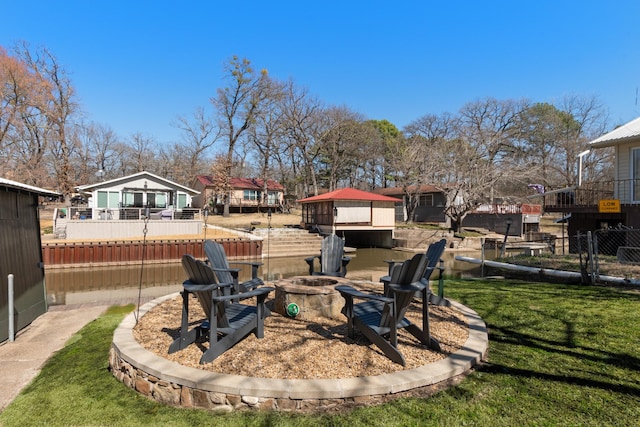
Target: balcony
point(587, 197)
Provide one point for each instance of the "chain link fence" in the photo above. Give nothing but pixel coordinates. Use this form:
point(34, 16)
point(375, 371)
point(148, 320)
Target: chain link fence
point(598, 256)
point(610, 252)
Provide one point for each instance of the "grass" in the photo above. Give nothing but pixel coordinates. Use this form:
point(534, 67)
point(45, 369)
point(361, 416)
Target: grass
point(558, 355)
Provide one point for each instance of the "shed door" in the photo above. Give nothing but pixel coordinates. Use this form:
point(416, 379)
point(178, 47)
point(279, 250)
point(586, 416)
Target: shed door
point(21, 257)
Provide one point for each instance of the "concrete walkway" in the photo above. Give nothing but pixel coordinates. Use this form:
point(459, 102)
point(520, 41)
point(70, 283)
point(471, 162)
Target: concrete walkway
point(22, 359)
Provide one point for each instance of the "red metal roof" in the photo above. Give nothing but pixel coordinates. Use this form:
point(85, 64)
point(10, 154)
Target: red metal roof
point(349, 194)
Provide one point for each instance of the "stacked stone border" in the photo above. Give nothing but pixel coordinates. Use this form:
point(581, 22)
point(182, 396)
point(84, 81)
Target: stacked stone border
point(174, 384)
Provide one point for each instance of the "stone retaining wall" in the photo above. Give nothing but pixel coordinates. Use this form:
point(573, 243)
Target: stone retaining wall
point(177, 385)
point(183, 396)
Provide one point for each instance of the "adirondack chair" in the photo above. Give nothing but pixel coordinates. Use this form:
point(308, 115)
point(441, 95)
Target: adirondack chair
point(228, 322)
point(217, 259)
point(380, 317)
point(434, 257)
point(333, 262)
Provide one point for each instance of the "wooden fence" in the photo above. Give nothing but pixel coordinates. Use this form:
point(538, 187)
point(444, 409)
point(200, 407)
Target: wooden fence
point(127, 252)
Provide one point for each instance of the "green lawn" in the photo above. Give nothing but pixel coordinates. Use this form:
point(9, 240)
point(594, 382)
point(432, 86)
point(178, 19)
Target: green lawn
point(558, 355)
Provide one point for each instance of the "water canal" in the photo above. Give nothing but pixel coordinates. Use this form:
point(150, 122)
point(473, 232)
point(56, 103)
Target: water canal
point(125, 284)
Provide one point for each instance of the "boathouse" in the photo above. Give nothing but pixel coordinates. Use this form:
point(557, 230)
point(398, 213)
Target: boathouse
point(20, 246)
point(364, 219)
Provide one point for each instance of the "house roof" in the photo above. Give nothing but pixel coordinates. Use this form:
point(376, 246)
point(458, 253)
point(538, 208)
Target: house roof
point(349, 194)
point(398, 191)
point(143, 174)
point(20, 186)
point(244, 183)
point(629, 132)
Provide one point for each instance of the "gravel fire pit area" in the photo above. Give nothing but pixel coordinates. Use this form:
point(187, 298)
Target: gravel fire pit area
point(305, 362)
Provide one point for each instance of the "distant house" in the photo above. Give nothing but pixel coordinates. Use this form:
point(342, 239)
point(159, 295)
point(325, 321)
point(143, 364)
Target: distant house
point(597, 205)
point(116, 207)
point(361, 217)
point(247, 194)
point(123, 197)
point(21, 250)
point(431, 203)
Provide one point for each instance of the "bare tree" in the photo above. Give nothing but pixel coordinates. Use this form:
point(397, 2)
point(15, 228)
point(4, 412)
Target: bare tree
point(267, 133)
point(586, 119)
point(24, 95)
point(220, 183)
point(489, 125)
point(301, 114)
point(238, 104)
point(60, 110)
point(141, 153)
point(426, 156)
point(339, 135)
point(198, 136)
point(100, 151)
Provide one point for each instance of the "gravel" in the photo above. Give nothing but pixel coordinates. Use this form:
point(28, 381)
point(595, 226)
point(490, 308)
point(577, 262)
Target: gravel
point(316, 348)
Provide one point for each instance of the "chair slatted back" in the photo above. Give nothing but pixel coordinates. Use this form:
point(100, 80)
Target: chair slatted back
point(200, 273)
point(218, 259)
point(407, 273)
point(331, 254)
point(434, 254)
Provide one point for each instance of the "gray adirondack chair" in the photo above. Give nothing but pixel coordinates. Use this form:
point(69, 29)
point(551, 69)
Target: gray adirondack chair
point(333, 262)
point(229, 321)
point(217, 259)
point(380, 317)
point(434, 259)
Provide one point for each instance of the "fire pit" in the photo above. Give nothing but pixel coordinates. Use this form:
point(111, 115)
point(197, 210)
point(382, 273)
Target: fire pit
point(305, 297)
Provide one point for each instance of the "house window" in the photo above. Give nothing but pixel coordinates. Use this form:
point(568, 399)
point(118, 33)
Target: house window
point(635, 174)
point(426, 200)
point(272, 199)
point(108, 199)
point(182, 201)
point(252, 195)
point(161, 200)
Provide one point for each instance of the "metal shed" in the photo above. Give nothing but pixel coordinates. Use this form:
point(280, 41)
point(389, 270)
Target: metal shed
point(21, 255)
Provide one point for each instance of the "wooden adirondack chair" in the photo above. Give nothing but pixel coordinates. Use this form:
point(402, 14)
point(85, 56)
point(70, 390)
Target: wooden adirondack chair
point(228, 322)
point(434, 259)
point(380, 317)
point(333, 262)
point(218, 261)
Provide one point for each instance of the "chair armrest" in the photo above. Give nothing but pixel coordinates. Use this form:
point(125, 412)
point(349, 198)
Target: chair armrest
point(254, 293)
point(254, 266)
point(235, 272)
point(230, 270)
point(354, 293)
point(310, 261)
point(410, 288)
point(257, 263)
point(197, 287)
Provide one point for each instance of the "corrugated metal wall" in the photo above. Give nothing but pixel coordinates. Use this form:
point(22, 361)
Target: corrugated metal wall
point(20, 255)
point(126, 252)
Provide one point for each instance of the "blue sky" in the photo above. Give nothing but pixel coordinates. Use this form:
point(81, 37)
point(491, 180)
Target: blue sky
point(137, 65)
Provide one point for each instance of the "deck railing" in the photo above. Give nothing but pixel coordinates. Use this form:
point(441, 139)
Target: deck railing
point(85, 213)
point(627, 191)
